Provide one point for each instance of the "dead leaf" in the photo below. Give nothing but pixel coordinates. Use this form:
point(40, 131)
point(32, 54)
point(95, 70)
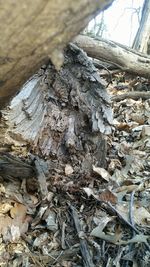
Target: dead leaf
point(18, 211)
point(114, 163)
point(127, 188)
point(146, 130)
point(12, 227)
point(98, 232)
point(141, 215)
point(2, 189)
point(51, 221)
point(108, 196)
point(40, 240)
point(5, 207)
point(102, 172)
point(68, 169)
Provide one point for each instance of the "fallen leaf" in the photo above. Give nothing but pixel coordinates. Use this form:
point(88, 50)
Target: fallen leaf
point(98, 232)
point(102, 172)
point(40, 240)
point(141, 215)
point(146, 130)
point(50, 219)
point(127, 188)
point(114, 163)
point(108, 196)
point(68, 169)
point(5, 207)
point(18, 211)
point(12, 227)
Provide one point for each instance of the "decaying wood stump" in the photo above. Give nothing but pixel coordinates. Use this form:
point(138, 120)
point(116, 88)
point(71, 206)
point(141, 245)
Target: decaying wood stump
point(61, 115)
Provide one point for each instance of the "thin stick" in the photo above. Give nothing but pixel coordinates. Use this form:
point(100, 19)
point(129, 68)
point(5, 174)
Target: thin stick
point(87, 259)
point(131, 218)
point(134, 95)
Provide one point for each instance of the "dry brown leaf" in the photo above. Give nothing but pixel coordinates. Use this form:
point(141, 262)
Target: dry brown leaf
point(139, 118)
point(12, 227)
point(123, 126)
point(108, 196)
point(18, 211)
point(102, 172)
point(127, 188)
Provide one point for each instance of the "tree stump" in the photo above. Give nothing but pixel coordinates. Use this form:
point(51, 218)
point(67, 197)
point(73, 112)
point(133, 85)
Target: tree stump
point(61, 116)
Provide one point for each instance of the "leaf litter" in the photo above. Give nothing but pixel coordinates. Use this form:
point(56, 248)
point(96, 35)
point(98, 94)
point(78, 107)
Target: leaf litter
point(101, 220)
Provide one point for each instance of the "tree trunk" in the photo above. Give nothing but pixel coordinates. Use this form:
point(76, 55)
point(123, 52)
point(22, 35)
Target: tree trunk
point(61, 115)
point(32, 31)
point(142, 39)
point(125, 58)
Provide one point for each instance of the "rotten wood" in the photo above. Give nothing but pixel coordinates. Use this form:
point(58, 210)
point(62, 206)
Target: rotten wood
point(41, 178)
point(124, 57)
point(34, 31)
point(12, 167)
point(61, 116)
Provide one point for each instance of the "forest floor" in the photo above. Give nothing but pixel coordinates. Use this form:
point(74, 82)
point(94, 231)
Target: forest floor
point(102, 220)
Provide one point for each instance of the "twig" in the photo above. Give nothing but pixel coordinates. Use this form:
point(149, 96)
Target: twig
point(134, 95)
point(87, 259)
point(63, 236)
point(132, 222)
point(131, 209)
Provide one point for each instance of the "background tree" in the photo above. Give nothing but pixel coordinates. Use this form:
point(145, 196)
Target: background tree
point(142, 38)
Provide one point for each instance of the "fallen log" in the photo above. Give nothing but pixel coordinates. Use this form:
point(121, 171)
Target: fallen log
point(34, 31)
point(122, 56)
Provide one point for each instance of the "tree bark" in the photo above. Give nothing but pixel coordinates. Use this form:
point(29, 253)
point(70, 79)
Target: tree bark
point(125, 58)
point(142, 39)
point(32, 31)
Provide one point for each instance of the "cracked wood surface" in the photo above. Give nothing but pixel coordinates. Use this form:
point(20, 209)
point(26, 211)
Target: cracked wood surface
point(61, 115)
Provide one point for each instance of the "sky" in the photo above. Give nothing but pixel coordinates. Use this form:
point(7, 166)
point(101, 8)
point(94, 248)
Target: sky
point(121, 20)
